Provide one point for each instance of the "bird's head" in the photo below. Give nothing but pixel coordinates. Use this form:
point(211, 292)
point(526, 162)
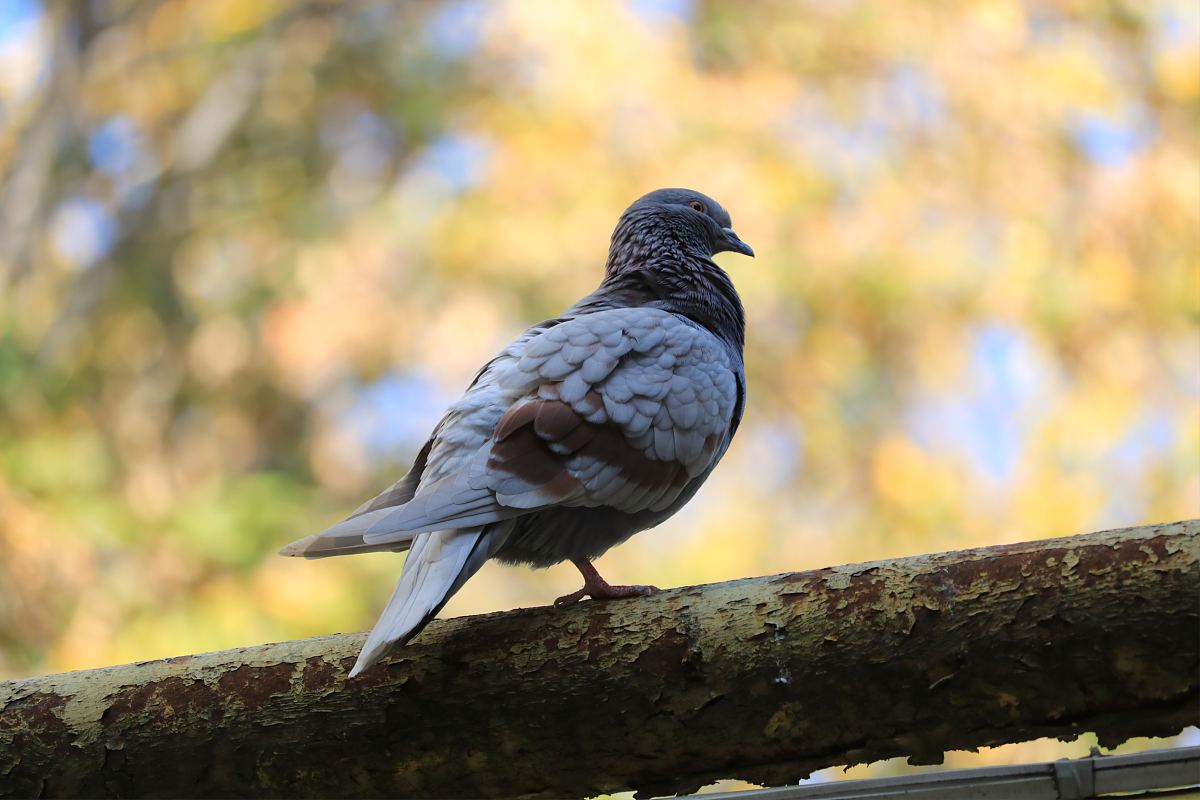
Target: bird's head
point(682, 215)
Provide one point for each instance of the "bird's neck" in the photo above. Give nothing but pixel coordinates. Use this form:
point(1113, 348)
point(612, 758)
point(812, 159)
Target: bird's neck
point(655, 261)
point(649, 239)
point(692, 286)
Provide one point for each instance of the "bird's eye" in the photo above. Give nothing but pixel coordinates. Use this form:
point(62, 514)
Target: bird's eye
point(697, 205)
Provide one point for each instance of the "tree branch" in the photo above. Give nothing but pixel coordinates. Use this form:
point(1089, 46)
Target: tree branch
point(764, 679)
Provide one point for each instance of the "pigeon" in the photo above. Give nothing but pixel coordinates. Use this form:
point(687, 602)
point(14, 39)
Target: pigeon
point(585, 430)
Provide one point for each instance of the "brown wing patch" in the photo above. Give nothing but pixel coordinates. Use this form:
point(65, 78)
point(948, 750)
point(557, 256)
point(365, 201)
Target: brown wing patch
point(520, 451)
point(540, 442)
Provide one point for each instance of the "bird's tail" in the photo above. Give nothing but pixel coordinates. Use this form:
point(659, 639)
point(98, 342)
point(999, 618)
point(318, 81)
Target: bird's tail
point(438, 564)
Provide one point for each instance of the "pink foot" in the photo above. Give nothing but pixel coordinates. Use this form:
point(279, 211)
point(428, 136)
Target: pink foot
point(597, 588)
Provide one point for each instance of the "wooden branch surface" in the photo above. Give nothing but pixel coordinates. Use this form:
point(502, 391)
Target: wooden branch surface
point(764, 679)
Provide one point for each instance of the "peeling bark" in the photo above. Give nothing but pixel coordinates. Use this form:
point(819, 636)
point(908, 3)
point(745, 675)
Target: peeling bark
point(764, 679)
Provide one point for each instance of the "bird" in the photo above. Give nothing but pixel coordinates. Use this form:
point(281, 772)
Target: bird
point(588, 428)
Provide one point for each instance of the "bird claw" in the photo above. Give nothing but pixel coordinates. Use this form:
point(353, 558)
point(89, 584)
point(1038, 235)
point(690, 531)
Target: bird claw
point(570, 599)
point(605, 592)
point(595, 587)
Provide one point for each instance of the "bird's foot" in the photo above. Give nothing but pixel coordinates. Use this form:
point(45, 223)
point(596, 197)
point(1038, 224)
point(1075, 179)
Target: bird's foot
point(605, 592)
point(597, 588)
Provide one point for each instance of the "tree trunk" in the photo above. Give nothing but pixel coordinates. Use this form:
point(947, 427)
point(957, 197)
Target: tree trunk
point(764, 679)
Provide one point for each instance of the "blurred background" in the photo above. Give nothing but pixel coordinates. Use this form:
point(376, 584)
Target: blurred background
point(250, 249)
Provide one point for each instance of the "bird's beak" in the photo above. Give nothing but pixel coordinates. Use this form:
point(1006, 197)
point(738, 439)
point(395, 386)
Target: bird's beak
point(734, 244)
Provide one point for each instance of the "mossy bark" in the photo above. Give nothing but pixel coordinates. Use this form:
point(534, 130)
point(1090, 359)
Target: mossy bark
point(764, 679)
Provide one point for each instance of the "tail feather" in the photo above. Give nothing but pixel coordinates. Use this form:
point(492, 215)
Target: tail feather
point(438, 564)
point(346, 538)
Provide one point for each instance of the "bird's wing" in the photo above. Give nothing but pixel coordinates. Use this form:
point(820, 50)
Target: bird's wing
point(465, 428)
point(618, 408)
point(345, 539)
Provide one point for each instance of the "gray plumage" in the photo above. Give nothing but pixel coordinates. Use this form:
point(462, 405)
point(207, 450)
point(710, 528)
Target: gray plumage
point(585, 430)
